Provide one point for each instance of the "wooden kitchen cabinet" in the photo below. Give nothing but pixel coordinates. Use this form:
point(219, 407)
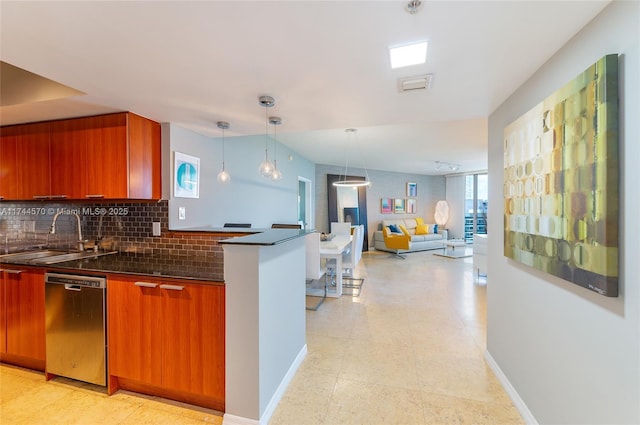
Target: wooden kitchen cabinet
point(133, 318)
point(68, 155)
point(24, 317)
point(167, 338)
point(32, 161)
point(8, 167)
point(113, 156)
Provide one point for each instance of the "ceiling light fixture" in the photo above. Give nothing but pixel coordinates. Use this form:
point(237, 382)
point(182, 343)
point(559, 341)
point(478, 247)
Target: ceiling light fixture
point(276, 174)
point(223, 176)
point(413, 6)
point(408, 54)
point(266, 167)
point(351, 133)
point(449, 165)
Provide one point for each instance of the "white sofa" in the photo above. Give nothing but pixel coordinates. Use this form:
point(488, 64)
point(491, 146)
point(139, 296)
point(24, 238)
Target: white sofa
point(418, 242)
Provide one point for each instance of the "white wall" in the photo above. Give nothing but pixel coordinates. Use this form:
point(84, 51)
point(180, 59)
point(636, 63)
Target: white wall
point(573, 356)
point(248, 197)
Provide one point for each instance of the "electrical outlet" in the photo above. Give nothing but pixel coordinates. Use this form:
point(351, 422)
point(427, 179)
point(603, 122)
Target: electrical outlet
point(156, 228)
point(182, 213)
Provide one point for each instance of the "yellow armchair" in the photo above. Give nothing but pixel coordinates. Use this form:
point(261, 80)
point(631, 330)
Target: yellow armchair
point(397, 242)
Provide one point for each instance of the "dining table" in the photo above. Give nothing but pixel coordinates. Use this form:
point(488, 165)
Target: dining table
point(333, 249)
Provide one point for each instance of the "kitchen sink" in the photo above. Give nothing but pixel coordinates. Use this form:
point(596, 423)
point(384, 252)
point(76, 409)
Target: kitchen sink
point(49, 256)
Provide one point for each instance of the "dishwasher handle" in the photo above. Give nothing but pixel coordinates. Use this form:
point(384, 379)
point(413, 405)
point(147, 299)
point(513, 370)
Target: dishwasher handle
point(70, 287)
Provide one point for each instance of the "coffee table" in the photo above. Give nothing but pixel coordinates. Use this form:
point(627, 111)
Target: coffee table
point(453, 243)
point(452, 253)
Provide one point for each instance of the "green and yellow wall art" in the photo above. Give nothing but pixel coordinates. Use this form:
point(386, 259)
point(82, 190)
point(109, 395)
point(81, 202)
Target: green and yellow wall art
point(561, 182)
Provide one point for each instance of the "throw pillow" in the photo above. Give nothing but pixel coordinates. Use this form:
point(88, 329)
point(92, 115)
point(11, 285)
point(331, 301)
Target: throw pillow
point(394, 229)
point(421, 229)
point(419, 221)
point(435, 228)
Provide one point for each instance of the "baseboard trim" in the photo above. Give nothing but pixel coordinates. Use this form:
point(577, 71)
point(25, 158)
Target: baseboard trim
point(275, 399)
point(511, 391)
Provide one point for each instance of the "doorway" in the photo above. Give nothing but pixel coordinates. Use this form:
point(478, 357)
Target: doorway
point(305, 207)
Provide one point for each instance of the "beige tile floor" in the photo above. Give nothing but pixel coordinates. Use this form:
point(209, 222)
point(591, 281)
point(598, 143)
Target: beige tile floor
point(408, 350)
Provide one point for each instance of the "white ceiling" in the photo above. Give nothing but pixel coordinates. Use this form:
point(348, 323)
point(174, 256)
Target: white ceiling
point(325, 62)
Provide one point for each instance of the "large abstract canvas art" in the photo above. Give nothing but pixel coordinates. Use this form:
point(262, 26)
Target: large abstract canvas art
point(561, 182)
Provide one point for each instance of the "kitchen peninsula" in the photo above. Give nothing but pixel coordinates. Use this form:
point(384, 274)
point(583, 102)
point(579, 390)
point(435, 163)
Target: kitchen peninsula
point(251, 316)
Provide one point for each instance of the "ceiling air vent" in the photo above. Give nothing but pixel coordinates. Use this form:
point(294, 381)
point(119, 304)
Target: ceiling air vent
point(419, 82)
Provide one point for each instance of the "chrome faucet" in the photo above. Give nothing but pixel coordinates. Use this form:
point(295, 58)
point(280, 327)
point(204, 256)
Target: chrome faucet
point(53, 228)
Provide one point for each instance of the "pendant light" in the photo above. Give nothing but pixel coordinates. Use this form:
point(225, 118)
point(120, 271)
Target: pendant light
point(266, 167)
point(276, 174)
point(223, 176)
point(352, 133)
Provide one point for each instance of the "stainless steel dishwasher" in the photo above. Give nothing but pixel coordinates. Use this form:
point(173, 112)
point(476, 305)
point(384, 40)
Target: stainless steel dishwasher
point(75, 327)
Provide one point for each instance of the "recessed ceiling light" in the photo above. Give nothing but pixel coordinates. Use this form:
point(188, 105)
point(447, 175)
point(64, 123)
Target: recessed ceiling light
point(409, 54)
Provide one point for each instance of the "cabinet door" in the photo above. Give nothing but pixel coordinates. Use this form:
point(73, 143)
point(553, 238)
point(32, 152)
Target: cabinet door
point(25, 319)
point(3, 314)
point(145, 165)
point(134, 325)
point(32, 159)
point(8, 167)
point(69, 158)
point(193, 344)
point(107, 170)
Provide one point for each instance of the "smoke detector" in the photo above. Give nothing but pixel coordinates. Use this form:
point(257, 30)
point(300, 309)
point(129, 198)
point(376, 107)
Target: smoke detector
point(419, 82)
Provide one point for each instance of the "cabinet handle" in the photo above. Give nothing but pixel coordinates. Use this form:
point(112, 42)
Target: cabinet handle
point(146, 284)
point(1, 197)
point(13, 271)
point(94, 196)
point(172, 287)
point(41, 197)
point(70, 287)
point(58, 197)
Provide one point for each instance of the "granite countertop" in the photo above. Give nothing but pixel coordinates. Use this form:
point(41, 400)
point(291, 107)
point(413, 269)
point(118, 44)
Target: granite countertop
point(267, 237)
point(180, 267)
point(255, 236)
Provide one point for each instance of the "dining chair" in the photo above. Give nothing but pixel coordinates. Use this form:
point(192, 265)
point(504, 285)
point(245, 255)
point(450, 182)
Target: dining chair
point(341, 228)
point(314, 268)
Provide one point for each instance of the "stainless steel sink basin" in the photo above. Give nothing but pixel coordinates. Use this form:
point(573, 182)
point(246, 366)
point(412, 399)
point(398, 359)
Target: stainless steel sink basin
point(50, 256)
point(70, 256)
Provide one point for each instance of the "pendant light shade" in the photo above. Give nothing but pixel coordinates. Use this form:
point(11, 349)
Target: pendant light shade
point(266, 167)
point(276, 174)
point(352, 133)
point(223, 176)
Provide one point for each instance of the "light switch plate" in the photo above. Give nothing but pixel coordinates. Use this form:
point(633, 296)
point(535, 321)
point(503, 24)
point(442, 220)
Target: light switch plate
point(156, 229)
point(182, 214)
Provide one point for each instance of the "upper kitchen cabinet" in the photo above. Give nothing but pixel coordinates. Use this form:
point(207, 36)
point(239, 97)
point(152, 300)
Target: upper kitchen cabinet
point(114, 156)
point(8, 168)
point(24, 161)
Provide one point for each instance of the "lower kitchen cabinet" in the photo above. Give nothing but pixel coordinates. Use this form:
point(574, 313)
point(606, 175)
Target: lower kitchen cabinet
point(167, 338)
point(22, 317)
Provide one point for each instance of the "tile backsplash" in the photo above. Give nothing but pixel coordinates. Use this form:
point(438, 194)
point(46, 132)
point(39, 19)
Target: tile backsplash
point(126, 227)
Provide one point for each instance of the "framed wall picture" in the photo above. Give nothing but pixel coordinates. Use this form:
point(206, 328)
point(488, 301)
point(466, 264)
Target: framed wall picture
point(561, 182)
point(386, 205)
point(398, 205)
point(411, 206)
point(186, 179)
point(412, 189)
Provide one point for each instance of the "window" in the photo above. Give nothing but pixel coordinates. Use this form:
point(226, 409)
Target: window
point(475, 205)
